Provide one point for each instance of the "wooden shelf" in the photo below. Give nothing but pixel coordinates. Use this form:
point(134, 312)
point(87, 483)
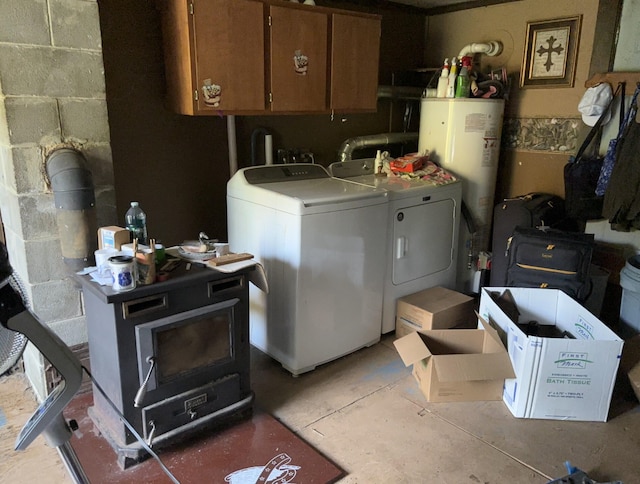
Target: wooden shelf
point(613, 78)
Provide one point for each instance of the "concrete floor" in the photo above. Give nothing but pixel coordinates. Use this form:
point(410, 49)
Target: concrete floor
point(366, 413)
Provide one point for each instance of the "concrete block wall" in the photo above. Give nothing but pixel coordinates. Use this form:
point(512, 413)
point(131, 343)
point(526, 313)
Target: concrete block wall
point(52, 93)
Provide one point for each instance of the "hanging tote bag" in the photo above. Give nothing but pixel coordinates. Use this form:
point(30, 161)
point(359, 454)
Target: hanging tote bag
point(611, 155)
point(581, 175)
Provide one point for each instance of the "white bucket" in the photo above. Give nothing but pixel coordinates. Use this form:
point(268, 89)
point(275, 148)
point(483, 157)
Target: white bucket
point(630, 304)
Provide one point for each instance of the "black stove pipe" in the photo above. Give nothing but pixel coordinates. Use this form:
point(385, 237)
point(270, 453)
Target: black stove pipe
point(75, 202)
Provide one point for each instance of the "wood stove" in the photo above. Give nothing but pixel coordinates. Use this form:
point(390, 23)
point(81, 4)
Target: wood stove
point(172, 357)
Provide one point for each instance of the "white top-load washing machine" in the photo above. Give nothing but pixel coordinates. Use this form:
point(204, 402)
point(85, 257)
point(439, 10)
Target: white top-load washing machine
point(321, 241)
point(422, 238)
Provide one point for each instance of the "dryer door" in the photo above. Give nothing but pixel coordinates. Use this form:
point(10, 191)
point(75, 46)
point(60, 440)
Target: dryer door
point(423, 240)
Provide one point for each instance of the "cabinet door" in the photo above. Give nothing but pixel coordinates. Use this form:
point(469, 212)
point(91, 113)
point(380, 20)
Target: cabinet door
point(355, 52)
point(298, 58)
point(228, 48)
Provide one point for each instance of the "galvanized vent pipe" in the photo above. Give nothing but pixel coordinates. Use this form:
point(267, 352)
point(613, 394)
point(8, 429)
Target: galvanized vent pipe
point(75, 203)
point(349, 146)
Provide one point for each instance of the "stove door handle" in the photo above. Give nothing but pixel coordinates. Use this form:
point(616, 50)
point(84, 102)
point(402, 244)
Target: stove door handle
point(142, 391)
point(152, 434)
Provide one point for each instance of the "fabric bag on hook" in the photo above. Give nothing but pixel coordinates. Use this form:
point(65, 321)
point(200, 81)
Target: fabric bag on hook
point(581, 175)
point(611, 155)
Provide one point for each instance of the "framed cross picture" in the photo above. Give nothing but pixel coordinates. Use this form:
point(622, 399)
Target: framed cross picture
point(550, 53)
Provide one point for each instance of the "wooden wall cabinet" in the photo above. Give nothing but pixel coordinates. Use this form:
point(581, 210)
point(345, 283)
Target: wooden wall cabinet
point(259, 57)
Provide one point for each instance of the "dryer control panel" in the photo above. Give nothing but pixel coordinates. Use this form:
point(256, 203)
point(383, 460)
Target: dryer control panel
point(288, 172)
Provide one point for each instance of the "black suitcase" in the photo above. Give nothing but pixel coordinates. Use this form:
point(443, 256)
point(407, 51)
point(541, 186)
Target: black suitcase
point(551, 259)
point(534, 210)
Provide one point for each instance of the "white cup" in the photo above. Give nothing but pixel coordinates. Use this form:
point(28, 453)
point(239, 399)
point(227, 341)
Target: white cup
point(221, 248)
point(123, 270)
point(102, 260)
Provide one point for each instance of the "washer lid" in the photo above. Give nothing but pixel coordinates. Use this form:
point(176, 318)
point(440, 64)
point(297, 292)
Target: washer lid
point(326, 191)
point(301, 189)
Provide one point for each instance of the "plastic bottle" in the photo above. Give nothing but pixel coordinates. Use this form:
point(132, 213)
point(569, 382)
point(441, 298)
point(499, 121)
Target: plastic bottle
point(463, 83)
point(135, 221)
point(377, 166)
point(443, 80)
point(453, 74)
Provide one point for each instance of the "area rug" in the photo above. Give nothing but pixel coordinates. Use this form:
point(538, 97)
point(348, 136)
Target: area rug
point(257, 450)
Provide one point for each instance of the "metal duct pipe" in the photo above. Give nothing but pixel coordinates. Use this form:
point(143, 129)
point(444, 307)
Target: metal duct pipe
point(349, 146)
point(400, 92)
point(75, 203)
point(491, 48)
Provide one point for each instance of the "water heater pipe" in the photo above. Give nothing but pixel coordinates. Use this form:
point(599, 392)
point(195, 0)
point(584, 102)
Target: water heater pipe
point(268, 146)
point(232, 142)
point(75, 203)
point(491, 48)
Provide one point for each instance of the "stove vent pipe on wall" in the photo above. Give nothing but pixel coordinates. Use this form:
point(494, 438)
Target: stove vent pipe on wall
point(75, 203)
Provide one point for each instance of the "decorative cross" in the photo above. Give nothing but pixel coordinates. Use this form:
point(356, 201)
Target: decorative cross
point(549, 50)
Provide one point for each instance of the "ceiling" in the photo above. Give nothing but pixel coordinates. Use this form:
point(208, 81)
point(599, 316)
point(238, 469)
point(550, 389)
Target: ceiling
point(444, 6)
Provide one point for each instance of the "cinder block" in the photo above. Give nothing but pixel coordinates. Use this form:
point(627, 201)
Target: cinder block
point(56, 300)
point(24, 172)
point(34, 370)
point(33, 121)
point(72, 331)
point(44, 260)
point(84, 120)
point(24, 22)
point(51, 72)
point(38, 216)
point(10, 211)
point(75, 23)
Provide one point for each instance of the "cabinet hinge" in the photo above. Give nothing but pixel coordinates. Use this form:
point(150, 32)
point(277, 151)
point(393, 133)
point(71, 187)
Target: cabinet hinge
point(190, 8)
point(195, 95)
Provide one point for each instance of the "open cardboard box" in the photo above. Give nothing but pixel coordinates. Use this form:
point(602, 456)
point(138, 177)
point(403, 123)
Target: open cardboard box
point(570, 378)
point(433, 308)
point(456, 365)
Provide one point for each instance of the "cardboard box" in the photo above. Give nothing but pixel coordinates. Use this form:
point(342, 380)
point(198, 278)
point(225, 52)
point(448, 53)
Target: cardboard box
point(112, 237)
point(556, 378)
point(433, 308)
point(630, 363)
point(408, 163)
point(457, 365)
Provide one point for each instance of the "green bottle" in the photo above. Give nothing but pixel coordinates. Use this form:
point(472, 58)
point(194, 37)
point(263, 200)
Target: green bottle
point(463, 83)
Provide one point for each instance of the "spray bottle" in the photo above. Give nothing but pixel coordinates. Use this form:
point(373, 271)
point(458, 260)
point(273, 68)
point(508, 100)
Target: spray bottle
point(463, 82)
point(453, 74)
point(377, 166)
point(443, 80)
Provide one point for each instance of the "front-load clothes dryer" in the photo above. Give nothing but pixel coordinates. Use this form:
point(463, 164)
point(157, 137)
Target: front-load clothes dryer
point(422, 237)
point(320, 240)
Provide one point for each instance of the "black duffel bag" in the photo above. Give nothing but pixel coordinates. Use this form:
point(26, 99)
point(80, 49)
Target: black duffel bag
point(551, 259)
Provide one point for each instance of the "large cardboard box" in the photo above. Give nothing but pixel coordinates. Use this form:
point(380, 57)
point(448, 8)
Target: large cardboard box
point(457, 365)
point(112, 237)
point(563, 378)
point(433, 308)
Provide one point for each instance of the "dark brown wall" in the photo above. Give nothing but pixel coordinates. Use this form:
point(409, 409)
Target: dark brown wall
point(177, 166)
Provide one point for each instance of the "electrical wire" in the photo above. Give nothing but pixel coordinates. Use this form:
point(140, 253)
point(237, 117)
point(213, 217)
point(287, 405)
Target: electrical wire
point(145, 446)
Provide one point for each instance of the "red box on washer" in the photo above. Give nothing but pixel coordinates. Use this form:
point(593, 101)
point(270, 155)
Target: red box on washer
point(408, 163)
